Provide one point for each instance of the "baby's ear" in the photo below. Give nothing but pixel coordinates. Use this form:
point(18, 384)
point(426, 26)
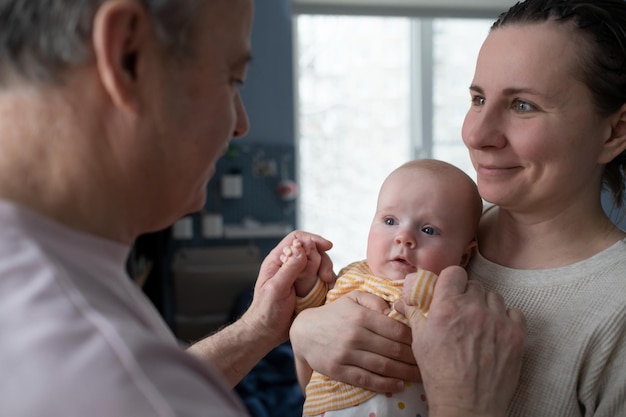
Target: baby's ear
point(470, 250)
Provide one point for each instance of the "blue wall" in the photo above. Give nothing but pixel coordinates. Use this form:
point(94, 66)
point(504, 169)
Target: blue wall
point(269, 91)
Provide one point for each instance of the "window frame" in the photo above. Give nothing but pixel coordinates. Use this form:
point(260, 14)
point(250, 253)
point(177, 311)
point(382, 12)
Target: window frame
point(404, 8)
point(421, 128)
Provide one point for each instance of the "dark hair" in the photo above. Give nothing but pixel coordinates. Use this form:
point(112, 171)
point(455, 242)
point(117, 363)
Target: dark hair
point(40, 38)
point(602, 24)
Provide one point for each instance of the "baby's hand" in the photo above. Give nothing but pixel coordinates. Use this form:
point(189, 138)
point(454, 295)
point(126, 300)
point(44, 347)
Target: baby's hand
point(306, 280)
point(295, 249)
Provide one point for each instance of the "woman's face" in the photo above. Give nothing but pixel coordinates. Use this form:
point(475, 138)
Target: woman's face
point(532, 131)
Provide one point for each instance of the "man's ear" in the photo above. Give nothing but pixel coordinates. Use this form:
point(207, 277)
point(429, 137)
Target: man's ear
point(120, 33)
point(615, 144)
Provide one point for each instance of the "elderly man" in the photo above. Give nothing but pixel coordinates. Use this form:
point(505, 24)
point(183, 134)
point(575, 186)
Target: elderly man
point(112, 116)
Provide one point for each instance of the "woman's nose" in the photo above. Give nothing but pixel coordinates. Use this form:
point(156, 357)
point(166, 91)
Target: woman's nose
point(484, 129)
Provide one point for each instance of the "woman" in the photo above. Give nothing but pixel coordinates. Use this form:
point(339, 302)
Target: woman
point(546, 131)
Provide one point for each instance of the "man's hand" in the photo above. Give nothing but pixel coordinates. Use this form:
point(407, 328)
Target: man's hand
point(352, 340)
point(235, 349)
point(272, 308)
point(469, 349)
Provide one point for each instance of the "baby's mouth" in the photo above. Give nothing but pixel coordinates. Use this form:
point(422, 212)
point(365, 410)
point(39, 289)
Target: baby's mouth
point(403, 262)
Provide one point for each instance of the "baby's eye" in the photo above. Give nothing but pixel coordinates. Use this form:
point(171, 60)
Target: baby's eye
point(389, 221)
point(429, 230)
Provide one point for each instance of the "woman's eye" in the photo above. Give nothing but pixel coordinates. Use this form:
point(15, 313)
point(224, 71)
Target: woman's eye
point(478, 100)
point(523, 106)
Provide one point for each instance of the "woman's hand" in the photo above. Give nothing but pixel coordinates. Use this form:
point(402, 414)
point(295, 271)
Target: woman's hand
point(469, 349)
point(353, 341)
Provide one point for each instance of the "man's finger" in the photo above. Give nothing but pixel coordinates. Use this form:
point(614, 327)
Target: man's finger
point(308, 239)
point(518, 317)
point(370, 301)
point(412, 313)
point(495, 302)
point(326, 272)
point(285, 276)
point(452, 281)
point(476, 290)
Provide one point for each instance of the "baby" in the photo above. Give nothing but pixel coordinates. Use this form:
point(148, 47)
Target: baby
point(426, 219)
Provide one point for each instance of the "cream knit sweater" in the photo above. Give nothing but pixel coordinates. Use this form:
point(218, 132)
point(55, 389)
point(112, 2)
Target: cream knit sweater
point(575, 360)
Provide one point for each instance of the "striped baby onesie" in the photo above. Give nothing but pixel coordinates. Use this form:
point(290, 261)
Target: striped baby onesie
point(324, 394)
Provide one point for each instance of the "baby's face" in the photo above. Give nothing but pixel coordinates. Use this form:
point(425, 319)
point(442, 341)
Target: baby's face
point(423, 220)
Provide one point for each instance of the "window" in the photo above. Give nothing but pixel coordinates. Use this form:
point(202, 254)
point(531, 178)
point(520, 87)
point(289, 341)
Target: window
point(372, 93)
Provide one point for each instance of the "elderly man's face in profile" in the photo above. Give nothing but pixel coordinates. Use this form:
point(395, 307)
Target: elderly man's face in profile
point(199, 107)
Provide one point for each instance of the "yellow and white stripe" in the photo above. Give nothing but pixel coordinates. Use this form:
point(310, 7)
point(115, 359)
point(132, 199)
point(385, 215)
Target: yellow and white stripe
point(324, 394)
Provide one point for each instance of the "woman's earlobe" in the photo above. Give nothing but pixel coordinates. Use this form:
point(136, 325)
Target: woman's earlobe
point(615, 143)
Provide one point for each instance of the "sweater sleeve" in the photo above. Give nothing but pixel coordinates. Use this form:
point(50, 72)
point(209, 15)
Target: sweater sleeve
point(602, 392)
point(314, 298)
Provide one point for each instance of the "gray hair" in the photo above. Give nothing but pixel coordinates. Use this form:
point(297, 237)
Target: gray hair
point(41, 38)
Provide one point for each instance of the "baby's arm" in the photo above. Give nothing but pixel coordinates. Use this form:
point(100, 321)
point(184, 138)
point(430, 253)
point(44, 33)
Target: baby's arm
point(418, 289)
point(310, 292)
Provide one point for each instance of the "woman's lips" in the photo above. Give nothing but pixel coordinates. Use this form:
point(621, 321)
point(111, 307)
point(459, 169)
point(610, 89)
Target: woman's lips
point(495, 170)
